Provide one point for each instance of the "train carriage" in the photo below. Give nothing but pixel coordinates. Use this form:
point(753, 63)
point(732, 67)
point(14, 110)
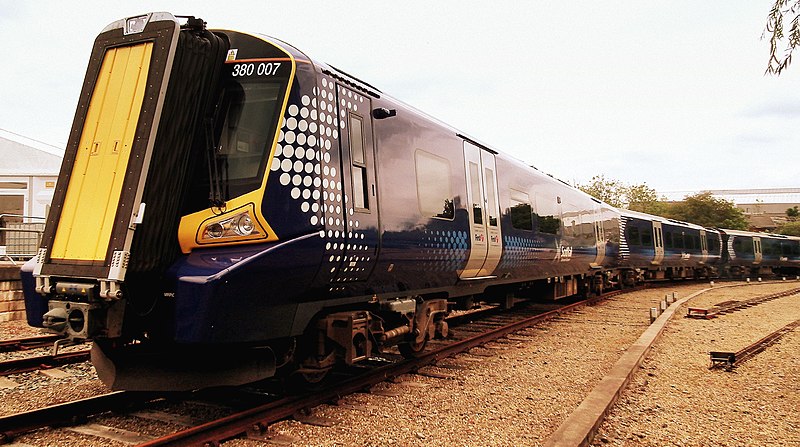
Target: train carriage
point(751, 254)
point(266, 210)
point(668, 248)
point(780, 253)
point(229, 209)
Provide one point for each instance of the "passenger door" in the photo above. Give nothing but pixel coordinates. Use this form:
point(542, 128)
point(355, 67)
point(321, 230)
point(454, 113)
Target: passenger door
point(757, 250)
point(658, 243)
point(360, 213)
point(484, 213)
point(599, 237)
point(703, 246)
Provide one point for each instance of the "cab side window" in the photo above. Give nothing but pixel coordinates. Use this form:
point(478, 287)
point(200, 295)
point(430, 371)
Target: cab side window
point(359, 163)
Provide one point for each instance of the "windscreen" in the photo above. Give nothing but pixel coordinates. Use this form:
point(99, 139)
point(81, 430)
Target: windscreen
point(246, 125)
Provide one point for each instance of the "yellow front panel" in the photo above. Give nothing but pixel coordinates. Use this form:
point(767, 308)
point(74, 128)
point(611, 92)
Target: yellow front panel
point(95, 186)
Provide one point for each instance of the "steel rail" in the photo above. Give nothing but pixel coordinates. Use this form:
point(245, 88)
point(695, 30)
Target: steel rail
point(17, 366)
point(22, 344)
point(729, 360)
point(728, 307)
point(69, 413)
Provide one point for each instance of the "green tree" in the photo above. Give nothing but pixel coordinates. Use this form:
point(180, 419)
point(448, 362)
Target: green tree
point(610, 191)
point(706, 210)
point(789, 229)
point(644, 199)
point(640, 198)
point(793, 212)
point(783, 31)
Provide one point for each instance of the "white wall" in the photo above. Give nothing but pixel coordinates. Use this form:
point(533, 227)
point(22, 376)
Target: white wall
point(37, 196)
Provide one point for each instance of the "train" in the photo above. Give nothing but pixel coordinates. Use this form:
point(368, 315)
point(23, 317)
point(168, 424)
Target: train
point(230, 210)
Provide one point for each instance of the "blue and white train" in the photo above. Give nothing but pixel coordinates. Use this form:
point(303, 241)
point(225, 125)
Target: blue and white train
point(230, 209)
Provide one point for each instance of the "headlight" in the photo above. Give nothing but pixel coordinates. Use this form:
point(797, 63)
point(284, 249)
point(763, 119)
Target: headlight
point(215, 230)
point(244, 225)
point(238, 225)
point(135, 25)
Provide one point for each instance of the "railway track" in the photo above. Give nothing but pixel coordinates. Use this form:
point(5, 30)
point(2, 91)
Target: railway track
point(253, 422)
point(39, 362)
point(733, 306)
point(470, 329)
point(69, 413)
point(730, 360)
point(20, 356)
point(28, 343)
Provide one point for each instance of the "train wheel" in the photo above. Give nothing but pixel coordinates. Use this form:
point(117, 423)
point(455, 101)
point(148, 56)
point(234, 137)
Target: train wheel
point(314, 377)
point(412, 350)
point(314, 369)
point(305, 379)
point(466, 303)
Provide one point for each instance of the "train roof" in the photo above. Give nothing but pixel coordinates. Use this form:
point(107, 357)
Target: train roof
point(761, 235)
point(665, 220)
point(373, 91)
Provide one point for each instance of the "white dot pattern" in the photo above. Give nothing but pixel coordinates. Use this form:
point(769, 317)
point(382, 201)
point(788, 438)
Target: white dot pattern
point(307, 159)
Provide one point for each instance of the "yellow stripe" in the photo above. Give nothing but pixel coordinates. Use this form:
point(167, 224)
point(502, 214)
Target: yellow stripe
point(95, 185)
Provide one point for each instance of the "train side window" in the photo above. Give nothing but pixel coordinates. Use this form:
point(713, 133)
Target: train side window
point(633, 236)
point(742, 245)
point(547, 216)
point(587, 228)
point(667, 239)
point(688, 241)
point(697, 242)
point(786, 249)
point(434, 189)
point(475, 187)
point(359, 163)
point(521, 211)
point(491, 197)
point(711, 244)
point(647, 237)
point(677, 240)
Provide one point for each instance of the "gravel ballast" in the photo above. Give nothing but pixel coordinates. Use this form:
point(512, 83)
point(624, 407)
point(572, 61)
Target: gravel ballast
point(518, 396)
point(521, 395)
point(519, 390)
point(675, 399)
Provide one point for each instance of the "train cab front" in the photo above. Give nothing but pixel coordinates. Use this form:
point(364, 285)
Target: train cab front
point(169, 199)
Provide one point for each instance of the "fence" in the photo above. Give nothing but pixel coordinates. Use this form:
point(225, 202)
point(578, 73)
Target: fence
point(20, 236)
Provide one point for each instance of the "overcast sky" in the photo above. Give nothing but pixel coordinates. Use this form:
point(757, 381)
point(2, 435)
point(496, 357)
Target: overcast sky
point(668, 93)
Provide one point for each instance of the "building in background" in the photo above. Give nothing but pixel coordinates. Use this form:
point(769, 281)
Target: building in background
point(764, 208)
point(28, 174)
